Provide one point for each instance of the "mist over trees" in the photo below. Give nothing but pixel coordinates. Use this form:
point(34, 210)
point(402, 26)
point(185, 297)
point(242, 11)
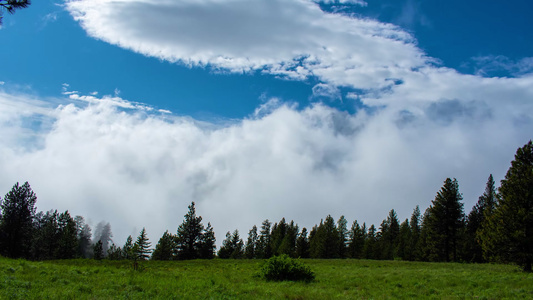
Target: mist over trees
point(499, 228)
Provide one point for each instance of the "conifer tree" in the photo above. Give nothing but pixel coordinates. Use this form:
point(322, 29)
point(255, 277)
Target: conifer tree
point(508, 235)
point(413, 249)
point(251, 243)
point(342, 229)
point(142, 246)
point(264, 246)
point(189, 236)
point(445, 223)
point(11, 6)
point(45, 238)
point(302, 244)
point(232, 246)
point(67, 237)
point(370, 243)
point(127, 249)
point(356, 241)
point(98, 250)
point(164, 249)
point(16, 221)
point(404, 239)
point(115, 253)
point(207, 243)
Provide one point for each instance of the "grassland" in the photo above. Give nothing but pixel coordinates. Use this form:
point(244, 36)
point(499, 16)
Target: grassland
point(237, 279)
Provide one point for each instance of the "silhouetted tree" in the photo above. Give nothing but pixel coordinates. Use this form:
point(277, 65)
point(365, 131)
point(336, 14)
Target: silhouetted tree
point(342, 229)
point(370, 243)
point(84, 237)
point(413, 247)
point(325, 240)
point(356, 240)
point(103, 233)
point(208, 243)
point(46, 235)
point(508, 235)
point(98, 250)
point(127, 249)
point(251, 243)
point(11, 6)
point(445, 223)
point(16, 221)
point(264, 247)
point(142, 246)
point(302, 244)
point(232, 246)
point(68, 240)
point(115, 253)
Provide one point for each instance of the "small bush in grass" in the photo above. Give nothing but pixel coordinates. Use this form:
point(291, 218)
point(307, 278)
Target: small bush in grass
point(279, 268)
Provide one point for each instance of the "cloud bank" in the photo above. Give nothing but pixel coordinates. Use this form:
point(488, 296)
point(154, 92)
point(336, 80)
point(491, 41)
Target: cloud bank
point(107, 161)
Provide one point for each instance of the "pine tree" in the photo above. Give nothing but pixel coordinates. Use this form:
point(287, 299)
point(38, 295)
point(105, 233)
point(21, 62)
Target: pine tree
point(264, 246)
point(16, 221)
point(115, 253)
point(98, 250)
point(11, 6)
point(356, 241)
point(325, 240)
point(404, 239)
point(413, 249)
point(164, 250)
point(232, 246)
point(142, 246)
point(388, 236)
point(508, 235)
point(370, 243)
point(342, 229)
point(84, 237)
point(127, 249)
point(189, 235)
point(302, 244)
point(251, 243)
point(475, 220)
point(445, 223)
point(207, 243)
point(68, 241)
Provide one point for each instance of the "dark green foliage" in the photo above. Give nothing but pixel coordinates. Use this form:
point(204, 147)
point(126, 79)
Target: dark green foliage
point(412, 251)
point(388, 237)
point(232, 246)
point(404, 239)
point(508, 235)
point(356, 242)
point(283, 267)
point(46, 236)
point(11, 5)
point(142, 246)
point(325, 240)
point(128, 248)
point(98, 251)
point(475, 220)
point(164, 250)
point(84, 237)
point(207, 243)
point(370, 243)
point(16, 221)
point(445, 222)
point(264, 246)
point(342, 229)
point(189, 236)
point(68, 240)
point(302, 244)
point(251, 243)
point(283, 238)
point(115, 253)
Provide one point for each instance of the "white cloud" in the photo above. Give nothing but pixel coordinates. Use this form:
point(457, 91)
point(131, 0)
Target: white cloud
point(137, 169)
point(355, 2)
point(494, 63)
point(292, 38)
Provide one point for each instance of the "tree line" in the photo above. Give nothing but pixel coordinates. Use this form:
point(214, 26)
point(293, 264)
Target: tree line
point(499, 228)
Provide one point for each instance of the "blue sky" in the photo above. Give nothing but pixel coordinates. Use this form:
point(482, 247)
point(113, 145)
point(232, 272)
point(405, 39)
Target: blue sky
point(260, 108)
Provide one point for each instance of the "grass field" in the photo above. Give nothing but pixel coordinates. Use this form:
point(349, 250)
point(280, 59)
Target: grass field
point(237, 279)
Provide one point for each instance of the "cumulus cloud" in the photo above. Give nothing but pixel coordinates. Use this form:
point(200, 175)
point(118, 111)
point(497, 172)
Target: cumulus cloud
point(133, 168)
point(293, 39)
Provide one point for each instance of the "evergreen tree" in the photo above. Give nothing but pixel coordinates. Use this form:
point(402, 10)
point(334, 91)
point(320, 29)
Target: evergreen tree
point(164, 250)
point(84, 237)
point(232, 246)
point(189, 235)
point(67, 235)
point(264, 247)
point(142, 245)
point(279, 230)
point(11, 6)
point(404, 239)
point(16, 221)
point(445, 223)
point(484, 207)
point(388, 236)
point(103, 233)
point(127, 249)
point(115, 253)
point(356, 241)
point(325, 240)
point(251, 243)
point(342, 229)
point(45, 238)
point(98, 250)
point(508, 235)
point(302, 244)
point(207, 243)
point(370, 243)
point(412, 248)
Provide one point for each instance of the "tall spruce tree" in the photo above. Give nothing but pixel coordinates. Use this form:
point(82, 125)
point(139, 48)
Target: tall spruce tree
point(508, 235)
point(342, 229)
point(67, 237)
point(413, 247)
point(251, 243)
point(142, 245)
point(445, 223)
point(189, 236)
point(46, 236)
point(264, 245)
point(232, 246)
point(207, 243)
point(356, 241)
point(302, 244)
point(475, 220)
point(16, 221)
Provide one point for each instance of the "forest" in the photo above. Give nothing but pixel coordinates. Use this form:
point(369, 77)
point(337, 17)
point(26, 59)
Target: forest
point(499, 228)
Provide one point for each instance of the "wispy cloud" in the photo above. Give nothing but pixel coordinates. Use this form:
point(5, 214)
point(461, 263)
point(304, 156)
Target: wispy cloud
point(486, 65)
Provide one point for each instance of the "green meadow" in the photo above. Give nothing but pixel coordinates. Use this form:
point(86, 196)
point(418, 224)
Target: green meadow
point(238, 279)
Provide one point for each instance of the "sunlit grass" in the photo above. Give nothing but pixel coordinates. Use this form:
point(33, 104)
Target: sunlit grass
point(238, 279)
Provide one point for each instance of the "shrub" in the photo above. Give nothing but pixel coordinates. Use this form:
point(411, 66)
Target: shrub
point(280, 268)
